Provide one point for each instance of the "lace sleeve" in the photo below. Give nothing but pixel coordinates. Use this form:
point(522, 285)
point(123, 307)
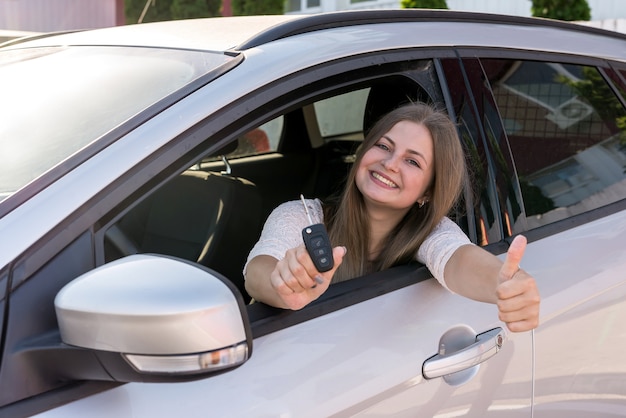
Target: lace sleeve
point(439, 246)
point(283, 229)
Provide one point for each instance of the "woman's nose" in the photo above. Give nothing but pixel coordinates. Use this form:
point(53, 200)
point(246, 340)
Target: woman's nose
point(391, 162)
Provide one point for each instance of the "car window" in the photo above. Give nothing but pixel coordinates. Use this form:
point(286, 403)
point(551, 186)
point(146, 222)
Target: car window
point(564, 130)
point(90, 91)
point(337, 117)
point(214, 216)
point(341, 114)
point(260, 140)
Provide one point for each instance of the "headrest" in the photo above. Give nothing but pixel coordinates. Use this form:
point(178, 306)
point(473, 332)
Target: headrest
point(389, 94)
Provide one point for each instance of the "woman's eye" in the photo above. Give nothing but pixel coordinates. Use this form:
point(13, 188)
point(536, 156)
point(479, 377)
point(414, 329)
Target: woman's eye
point(413, 162)
point(382, 146)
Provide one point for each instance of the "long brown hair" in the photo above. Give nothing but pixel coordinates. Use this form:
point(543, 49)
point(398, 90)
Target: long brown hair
point(347, 220)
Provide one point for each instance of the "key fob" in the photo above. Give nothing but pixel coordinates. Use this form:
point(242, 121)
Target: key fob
point(318, 246)
point(317, 243)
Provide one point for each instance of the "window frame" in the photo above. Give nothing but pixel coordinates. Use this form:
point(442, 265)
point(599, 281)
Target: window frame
point(283, 96)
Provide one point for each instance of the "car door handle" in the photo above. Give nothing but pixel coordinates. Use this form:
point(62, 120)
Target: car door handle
point(486, 346)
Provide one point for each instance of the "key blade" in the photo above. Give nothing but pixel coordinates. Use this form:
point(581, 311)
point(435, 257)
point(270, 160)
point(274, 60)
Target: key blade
point(306, 209)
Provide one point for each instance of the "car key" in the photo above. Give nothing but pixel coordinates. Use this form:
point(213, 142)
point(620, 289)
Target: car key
point(317, 243)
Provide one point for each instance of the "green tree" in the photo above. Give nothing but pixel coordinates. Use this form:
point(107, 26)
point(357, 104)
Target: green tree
point(189, 9)
point(159, 10)
point(568, 10)
point(594, 89)
point(156, 11)
point(258, 7)
point(424, 4)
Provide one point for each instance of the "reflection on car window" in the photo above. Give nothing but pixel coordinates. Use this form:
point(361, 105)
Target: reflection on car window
point(264, 139)
point(89, 91)
point(563, 126)
point(341, 114)
point(338, 117)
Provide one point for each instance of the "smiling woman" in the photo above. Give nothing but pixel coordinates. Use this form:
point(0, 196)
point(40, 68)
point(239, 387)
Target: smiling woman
point(411, 156)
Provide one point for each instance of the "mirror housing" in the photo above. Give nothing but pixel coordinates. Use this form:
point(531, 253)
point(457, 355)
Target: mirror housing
point(151, 318)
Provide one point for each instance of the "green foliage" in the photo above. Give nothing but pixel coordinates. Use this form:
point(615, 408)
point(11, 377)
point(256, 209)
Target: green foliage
point(159, 10)
point(596, 92)
point(424, 4)
point(258, 7)
point(188, 9)
point(568, 10)
point(155, 13)
point(535, 202)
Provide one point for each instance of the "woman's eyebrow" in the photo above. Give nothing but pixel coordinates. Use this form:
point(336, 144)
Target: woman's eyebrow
point(410, 151)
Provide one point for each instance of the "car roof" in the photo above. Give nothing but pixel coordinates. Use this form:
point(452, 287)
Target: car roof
point(211, 34)
point(245, 32)
point(445, 17)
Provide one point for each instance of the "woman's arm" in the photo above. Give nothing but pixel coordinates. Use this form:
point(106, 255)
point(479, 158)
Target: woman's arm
point(477, 274)
point(473, 272)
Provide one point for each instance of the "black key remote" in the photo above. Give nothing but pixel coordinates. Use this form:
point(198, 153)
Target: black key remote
point(317, 243)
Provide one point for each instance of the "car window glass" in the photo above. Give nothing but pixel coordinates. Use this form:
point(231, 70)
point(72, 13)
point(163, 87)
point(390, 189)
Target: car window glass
point(618, 79)
point(90, 91)
point(260, 140)
point(336, 116)
point(341, 114)
point(562, 123)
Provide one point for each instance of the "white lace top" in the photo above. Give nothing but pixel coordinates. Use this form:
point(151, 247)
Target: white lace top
point(283, 230)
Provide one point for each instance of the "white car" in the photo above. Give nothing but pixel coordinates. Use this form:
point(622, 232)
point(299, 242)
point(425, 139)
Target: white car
point(138, 164)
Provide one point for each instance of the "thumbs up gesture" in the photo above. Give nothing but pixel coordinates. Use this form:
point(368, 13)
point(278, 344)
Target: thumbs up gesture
point(517, 293)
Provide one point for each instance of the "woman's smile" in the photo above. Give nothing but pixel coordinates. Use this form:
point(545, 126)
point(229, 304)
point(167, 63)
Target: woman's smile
point(380, 178)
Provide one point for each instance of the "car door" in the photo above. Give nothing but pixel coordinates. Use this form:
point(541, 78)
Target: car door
point(363, 360)
point(561, 174)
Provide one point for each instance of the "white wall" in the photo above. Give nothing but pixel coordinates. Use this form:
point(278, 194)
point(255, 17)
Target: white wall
point(508, 7)
point(617, 25)
point(600, 9)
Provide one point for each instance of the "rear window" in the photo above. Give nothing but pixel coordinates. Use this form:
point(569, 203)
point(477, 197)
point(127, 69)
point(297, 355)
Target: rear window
point(566, 132)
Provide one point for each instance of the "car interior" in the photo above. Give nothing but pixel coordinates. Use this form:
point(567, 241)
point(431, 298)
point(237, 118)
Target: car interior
point(213, 212)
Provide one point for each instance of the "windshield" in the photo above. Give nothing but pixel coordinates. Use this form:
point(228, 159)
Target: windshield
point(55, 101)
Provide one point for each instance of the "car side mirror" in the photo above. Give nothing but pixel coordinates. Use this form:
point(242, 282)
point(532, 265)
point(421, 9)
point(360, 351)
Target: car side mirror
point(153, 318)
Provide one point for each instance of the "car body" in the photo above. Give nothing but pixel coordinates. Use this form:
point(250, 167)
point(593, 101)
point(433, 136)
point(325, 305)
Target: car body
point(10, 35)
point(138, 164)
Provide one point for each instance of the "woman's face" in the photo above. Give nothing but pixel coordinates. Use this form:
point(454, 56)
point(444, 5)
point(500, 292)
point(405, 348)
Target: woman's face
point(397, 171)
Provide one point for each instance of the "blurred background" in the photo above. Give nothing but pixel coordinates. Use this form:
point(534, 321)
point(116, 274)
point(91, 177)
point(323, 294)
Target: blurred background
point(27, 17)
